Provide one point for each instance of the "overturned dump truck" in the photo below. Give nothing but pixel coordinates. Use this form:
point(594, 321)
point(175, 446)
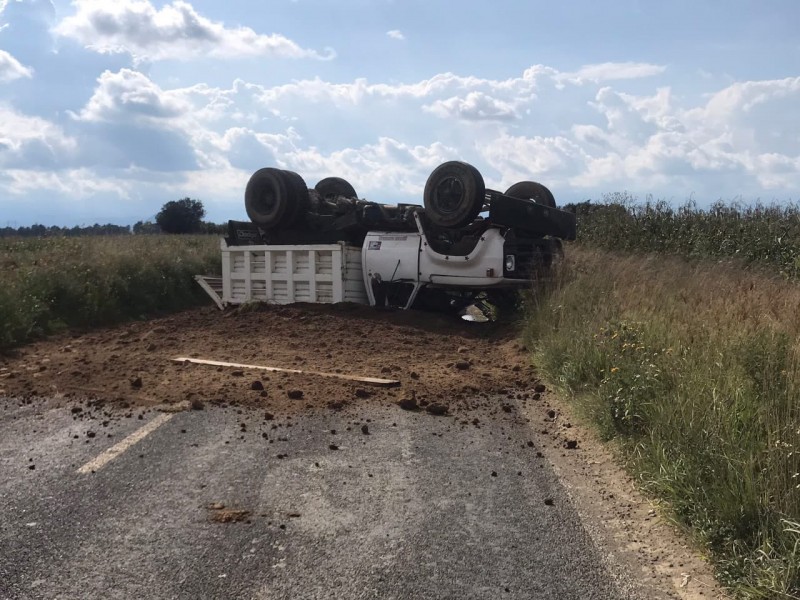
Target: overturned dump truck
point(327, 245)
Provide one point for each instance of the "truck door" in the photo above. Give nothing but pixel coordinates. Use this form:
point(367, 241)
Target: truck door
point(391, 268)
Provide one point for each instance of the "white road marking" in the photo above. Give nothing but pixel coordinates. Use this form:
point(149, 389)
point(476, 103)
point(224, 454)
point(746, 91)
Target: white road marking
point(98, 463)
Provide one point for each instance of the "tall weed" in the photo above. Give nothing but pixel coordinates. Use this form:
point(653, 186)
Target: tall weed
point(47, 284)
point(694, 368)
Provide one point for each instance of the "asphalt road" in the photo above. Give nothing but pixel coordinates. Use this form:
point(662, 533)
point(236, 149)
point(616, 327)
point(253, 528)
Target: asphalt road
point(421, 507)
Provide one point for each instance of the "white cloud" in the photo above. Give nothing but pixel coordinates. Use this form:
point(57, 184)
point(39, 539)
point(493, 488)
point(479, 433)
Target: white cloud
point(388, 164)
point(761, 115)
point(317, 90)
point(627, 122)
point(751, 126)
point(475, 106)
point(611, 71)
point(176, 31)
point(744, 96)
point(448, 95)
point(11, 68)
point(131, 96)
point(31, 142)
point(250, 150)
point(396, 34)
point(775, 171)
point(545, 159)
point(79, 183)
point(746, 133)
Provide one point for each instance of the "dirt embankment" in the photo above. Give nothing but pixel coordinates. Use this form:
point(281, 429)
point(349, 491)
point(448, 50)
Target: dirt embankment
point(435, 359)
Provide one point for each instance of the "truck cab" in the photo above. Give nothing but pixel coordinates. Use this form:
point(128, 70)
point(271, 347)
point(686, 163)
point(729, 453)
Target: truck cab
point(398, 266)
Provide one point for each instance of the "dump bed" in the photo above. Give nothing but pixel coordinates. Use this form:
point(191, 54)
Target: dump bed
point(319, 273)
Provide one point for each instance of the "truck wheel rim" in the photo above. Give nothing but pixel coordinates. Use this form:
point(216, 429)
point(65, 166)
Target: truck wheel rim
point(267, 202)
point(448, 196)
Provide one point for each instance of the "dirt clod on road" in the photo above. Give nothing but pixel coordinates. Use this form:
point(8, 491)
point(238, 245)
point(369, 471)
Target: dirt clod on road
point(229, 515)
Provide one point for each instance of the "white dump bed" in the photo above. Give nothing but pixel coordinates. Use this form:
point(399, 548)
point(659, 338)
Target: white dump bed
point(322, 273)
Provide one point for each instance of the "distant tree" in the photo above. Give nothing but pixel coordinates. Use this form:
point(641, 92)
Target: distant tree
point(214, 228)
point(141, 227)
point(181, 216)
point(38, 230)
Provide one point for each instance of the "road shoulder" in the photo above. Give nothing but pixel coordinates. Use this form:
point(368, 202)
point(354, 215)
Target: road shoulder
point(635, 539)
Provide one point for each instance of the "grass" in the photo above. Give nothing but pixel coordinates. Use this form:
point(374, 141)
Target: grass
point(49, 284)
point(694, 367)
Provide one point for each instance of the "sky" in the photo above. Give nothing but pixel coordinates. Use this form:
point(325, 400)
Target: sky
point(110, 108)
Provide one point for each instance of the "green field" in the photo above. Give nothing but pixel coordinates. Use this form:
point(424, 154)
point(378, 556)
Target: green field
point(760, 234)
point(49, 284)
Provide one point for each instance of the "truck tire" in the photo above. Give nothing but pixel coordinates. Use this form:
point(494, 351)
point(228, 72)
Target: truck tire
point(531, 190)
point(266, 198)
point(298, 198)
point(335, 186)
point(454, 194)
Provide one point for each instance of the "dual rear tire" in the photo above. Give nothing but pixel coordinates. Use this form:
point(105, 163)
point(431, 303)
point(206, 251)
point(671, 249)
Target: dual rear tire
point(335, 186)
point(455, 194)
point(531, 190)
point(276, 198)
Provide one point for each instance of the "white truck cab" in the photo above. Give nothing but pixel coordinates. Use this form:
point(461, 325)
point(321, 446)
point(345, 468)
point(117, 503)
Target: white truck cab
point(397, 266)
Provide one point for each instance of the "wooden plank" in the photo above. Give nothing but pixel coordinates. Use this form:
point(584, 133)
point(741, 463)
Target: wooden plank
point(210, 291)
point(376, 381)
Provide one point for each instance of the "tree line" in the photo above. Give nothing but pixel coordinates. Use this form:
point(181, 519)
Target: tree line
point(177, 216)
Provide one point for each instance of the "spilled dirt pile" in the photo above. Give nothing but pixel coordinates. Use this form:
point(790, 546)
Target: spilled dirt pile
point(439, 361)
